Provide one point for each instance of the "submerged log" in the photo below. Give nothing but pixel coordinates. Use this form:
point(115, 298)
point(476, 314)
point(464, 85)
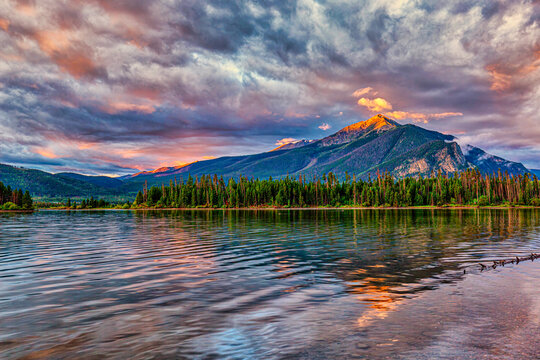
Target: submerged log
point(503, 262)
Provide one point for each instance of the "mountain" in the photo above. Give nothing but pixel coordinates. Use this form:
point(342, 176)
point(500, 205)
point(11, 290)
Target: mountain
point(377, 124)
point(362, 149)
point(490, 164)
point(101, 181)
point(46, 185)
point(536, 172)
point(41, 183)
point(156, 172)
point(293, 145)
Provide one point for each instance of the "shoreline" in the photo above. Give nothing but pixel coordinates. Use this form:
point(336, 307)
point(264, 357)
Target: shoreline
point(460, 207)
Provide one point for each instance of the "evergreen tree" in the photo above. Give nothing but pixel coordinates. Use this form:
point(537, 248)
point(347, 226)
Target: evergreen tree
point(139, 199)
point(27, 202)
point(466, 188)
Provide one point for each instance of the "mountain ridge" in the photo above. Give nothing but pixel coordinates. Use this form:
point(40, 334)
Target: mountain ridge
point(360, 148)
point(364, 148)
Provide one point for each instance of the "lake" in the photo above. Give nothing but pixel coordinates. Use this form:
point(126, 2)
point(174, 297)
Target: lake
point(269, 284)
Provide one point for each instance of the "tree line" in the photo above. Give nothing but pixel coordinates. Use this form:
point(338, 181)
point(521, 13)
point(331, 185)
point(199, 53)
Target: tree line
point(14, 199)
point(88, 203)
point(470, 187)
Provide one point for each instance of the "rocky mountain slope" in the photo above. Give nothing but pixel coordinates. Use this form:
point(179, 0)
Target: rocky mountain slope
point(361, 149)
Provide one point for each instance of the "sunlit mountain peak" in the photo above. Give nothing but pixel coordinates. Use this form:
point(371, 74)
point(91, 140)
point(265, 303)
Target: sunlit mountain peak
point(374, 123)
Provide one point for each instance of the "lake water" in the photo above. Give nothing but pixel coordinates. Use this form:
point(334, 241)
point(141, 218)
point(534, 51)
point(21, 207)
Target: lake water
point(311, 284)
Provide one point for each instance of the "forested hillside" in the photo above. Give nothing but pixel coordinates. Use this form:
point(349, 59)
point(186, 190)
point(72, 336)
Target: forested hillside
point(42, 184)
point(466, 188)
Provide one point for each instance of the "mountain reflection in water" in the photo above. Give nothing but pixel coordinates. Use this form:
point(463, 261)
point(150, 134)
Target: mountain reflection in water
point(268, 284)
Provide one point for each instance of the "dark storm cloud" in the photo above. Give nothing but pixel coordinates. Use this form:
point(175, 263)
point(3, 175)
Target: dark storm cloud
point(381, 31)
point(281, 44)
point(222, 34)
point(110, 86)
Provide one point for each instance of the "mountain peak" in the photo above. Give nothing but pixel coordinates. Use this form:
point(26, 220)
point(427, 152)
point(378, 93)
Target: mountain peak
point(293, 145)
point(376, 122)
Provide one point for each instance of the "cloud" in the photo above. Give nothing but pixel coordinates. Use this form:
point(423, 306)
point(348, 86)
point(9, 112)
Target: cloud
point(45, 153)
point(118, 107)
point(401, 115)
point(359, 92)
point(286, 141)
point(150, 83)
point(375, 105)
point(4, 24)
point(324, 126)
point(499, 80)
point(381, 105)
point(71, 56)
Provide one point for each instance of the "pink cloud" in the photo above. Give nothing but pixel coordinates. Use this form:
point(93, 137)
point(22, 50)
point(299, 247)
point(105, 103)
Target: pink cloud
point(359, 92)
point(324, 126)
point(419, 117)
point(118, 107)
point(285, 141)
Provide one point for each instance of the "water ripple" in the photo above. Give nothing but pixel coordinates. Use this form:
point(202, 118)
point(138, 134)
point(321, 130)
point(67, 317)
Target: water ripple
point(264, 284)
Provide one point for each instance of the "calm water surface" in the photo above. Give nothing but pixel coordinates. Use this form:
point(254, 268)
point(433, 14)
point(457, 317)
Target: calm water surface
point(269, 284)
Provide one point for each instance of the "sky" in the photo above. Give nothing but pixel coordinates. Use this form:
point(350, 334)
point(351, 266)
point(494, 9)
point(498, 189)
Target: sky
point(114, 87)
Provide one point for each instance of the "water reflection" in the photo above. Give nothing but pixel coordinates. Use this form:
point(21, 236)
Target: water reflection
point(263, 284)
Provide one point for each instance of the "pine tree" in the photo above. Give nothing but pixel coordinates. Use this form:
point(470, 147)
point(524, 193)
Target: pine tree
point(27, 202)
point(439, 189)
point(139, 199)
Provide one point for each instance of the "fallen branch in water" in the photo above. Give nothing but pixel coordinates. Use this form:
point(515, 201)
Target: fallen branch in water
point(516, 260)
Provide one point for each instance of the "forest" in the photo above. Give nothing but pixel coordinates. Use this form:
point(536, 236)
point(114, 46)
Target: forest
point(470, 187)
point(14, 199)
point(83, 204)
